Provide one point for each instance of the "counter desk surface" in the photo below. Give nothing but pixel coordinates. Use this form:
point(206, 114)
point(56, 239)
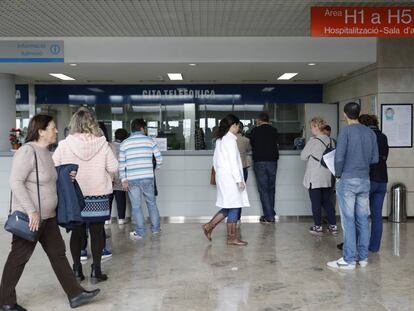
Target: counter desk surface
point(184, 189)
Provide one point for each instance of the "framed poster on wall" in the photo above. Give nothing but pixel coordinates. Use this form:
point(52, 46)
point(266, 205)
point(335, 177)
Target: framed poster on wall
point(397, 124)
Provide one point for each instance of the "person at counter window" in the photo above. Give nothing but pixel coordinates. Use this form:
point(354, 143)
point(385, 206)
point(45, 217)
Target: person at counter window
point(136, 172)
point(231, 188)
point(243, 144)
point(23, 183)
point(87, 147)
point(318, 179)
point(265, 148)
point(357, 149)
point(119, 193)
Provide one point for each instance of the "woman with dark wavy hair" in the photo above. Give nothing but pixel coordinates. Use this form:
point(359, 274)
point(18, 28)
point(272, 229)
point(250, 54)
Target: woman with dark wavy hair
point(231, 189)
point(23, 183)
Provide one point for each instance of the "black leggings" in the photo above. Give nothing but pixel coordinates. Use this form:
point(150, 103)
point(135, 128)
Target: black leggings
point(77, 242)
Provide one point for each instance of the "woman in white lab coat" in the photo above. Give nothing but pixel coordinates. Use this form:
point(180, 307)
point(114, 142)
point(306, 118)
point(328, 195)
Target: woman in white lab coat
point(231, 189)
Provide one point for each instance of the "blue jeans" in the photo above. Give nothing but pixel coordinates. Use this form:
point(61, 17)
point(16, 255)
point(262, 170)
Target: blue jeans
point(353, 200)
point(145, 187)
point(266, 185)
point(232, 214)
point(376, 200)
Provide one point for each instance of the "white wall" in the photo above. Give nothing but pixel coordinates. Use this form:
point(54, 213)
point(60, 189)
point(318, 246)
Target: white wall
point(390, 80)
point(215, 49)
point(184, 187)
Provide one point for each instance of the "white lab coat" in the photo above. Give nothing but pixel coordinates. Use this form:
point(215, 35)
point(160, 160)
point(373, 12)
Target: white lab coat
point(229, 171)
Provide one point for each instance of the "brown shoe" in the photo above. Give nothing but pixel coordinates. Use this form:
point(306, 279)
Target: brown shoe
point(232, 238)
point(208, 227)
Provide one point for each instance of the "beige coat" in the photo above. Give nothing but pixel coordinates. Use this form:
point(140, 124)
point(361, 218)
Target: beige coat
point(243, 143)
point(316, 174)
point(97, 163)
point(23, 181)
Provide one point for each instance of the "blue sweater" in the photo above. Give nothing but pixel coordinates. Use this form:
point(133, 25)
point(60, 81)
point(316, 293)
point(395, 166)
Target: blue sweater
point(356, 150)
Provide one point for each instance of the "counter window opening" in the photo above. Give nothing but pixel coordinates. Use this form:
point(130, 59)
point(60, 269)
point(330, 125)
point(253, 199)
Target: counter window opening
point(187, 126)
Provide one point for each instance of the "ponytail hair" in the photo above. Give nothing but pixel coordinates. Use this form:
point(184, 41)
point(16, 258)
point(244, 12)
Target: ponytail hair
point(225, 125)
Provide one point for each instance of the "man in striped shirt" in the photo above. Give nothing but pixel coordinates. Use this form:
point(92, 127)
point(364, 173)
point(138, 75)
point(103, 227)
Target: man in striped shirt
point(136, 172)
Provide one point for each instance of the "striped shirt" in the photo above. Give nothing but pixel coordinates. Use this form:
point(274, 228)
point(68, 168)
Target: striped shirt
point(135, 157)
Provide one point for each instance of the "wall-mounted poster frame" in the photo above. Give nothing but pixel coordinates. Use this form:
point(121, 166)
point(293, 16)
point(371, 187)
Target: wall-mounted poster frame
point(397, 124)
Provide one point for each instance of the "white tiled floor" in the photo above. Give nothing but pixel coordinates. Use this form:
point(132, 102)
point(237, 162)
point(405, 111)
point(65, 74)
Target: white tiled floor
point(282, 268)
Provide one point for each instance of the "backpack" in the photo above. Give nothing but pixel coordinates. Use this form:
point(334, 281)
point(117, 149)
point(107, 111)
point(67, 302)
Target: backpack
point(328, 148)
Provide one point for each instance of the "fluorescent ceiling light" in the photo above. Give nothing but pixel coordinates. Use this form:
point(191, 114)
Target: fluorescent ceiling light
point(287, 76)
point(61, 76)
point(311, 64)
point(116, 98)
point(175, 76)
point(82, 98)
point(95, 89)
point(268, 89)
point(142, 108)
point(192, 64)
point(117, 110)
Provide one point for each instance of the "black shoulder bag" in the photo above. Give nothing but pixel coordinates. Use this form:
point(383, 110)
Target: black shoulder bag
point(18, 222)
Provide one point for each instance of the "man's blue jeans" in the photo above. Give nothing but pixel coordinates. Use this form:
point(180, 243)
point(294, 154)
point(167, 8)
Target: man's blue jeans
point(266, 185)
point(353, 200)
point(144, 187)
point(376, 200)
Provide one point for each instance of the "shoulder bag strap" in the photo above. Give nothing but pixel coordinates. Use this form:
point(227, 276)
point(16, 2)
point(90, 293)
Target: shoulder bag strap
point(326, 146)
point(37, 184)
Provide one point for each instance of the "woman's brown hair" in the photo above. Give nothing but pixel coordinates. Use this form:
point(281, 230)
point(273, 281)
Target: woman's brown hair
point(37, 123)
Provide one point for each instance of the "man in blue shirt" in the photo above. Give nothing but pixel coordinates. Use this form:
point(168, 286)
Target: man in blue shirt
point(356, 150)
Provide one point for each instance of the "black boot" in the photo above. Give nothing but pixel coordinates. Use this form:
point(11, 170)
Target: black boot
point(97, 275)
point(83, 298)
point(13, 307)
point(77, 271)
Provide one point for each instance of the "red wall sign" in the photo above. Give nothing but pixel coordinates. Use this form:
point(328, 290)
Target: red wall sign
point(362, 21)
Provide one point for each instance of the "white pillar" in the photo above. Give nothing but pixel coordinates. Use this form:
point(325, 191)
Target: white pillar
point(7, 109)
point(32, 101)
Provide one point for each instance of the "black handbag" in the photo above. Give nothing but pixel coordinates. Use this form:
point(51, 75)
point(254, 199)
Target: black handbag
point(18, 222)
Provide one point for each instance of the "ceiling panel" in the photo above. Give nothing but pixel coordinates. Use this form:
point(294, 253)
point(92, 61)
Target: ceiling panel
point(170, 18)
point(147, 73)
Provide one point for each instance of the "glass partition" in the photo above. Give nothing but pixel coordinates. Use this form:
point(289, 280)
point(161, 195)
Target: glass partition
point(187, 126)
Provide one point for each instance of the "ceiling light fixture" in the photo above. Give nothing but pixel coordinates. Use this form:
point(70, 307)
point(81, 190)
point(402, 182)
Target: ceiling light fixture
point(73, 65)
point(175, 76)
point(287, 76)
point(192, 64)
point(312, 64)
point(61, 76)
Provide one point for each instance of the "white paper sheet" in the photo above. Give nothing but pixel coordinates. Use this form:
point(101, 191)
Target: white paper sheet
point(329, 159)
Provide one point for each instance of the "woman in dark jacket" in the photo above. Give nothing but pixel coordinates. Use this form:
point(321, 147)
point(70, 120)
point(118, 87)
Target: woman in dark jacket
point(379, 178)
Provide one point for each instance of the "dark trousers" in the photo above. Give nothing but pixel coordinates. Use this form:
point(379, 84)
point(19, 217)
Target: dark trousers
point(266, 185)
point(77, 242)
point(376, 200)
point(245, 173)
point(120, 198)
point(322, 197)
point(21, 251)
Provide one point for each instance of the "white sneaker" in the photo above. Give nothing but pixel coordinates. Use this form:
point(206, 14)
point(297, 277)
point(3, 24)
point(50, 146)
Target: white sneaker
point(363, 263)
point(122, 221)
point(135, 236)
point(340, 264)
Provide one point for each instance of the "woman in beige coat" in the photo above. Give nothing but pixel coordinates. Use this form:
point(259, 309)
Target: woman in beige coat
point(318, 179)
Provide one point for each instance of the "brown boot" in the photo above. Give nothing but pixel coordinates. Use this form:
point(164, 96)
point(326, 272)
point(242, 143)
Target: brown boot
point(208, 227)
point(232, 238)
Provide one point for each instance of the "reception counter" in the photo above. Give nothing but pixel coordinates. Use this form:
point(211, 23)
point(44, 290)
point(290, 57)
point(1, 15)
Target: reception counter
point(184, 186)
